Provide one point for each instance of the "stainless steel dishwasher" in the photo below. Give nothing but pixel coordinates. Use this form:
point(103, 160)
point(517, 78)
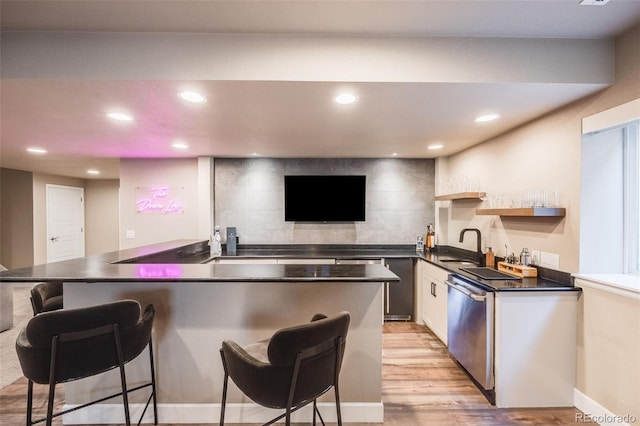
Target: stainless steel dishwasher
point(470, 330)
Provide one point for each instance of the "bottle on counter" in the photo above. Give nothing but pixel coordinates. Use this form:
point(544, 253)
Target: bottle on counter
point(525, 257)
point(420, 244)
point(216, 242)
point(430, 241)
point(490, 258)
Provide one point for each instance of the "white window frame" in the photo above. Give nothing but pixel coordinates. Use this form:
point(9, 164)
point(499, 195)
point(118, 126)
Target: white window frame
point(632, 198)
point(625, 117)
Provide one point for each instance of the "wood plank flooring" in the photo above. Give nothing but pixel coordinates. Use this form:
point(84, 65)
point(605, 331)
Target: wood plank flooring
point(422, 385)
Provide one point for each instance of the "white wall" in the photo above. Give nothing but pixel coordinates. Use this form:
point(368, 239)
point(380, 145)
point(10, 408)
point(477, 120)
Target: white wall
point(181, 176)
point(101, 216)
point(16, 218)
point(544, 153)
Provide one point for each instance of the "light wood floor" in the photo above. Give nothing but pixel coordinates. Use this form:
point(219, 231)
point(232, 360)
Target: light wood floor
point(422, 385)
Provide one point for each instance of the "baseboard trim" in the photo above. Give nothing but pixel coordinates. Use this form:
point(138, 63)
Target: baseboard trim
point(352, 412)
point(596, 413)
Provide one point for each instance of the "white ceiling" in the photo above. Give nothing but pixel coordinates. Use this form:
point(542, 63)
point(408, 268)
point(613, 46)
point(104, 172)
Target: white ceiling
point(281, 118)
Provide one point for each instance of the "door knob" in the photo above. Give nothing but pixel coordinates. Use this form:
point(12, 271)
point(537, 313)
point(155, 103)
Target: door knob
point(54, 239)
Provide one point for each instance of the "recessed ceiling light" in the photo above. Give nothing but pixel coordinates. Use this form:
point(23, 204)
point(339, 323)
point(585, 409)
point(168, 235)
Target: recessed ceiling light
point(255, 154)
point(37, 150)
point(93, 172)
point(395, 154)
point(120, 116)
point(435, 146)
point(180, 145)
point(194, 97)
point(486, 118)
point(345, 98)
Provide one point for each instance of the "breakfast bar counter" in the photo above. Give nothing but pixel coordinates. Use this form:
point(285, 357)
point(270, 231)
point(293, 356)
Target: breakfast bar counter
point(200, 305)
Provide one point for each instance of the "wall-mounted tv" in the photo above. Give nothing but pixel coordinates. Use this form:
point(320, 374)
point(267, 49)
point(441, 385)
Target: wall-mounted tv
point(334, 198)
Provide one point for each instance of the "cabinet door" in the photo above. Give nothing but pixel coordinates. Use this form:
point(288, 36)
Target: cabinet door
point(434, 299)
point(429, 303)
point(399, 298)
point(441, 311)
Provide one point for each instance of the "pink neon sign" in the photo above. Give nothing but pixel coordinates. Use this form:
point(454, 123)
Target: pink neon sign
point(159, 200)
point(159, 271)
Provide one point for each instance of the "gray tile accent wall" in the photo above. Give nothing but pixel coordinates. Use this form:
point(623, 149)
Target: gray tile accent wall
point(249, 194)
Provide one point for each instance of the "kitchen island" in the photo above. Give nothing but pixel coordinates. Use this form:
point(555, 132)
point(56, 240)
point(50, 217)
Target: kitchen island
point(200, 305)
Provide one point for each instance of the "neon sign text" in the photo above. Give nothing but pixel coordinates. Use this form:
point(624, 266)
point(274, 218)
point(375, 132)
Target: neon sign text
point(157, 200)
point(159, 271)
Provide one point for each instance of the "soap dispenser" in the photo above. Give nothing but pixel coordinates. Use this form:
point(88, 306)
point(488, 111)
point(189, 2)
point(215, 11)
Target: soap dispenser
point(490, 258)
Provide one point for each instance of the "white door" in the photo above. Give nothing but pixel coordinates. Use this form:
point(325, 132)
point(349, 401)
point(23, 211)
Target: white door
point(65, 222)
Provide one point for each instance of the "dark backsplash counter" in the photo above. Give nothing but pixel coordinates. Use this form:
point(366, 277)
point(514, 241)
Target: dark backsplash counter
point(319, 251)
point(547, 279)
point(189, 260)
point(182, 261)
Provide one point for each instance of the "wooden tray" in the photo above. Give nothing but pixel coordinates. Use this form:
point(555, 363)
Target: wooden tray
point(519, 270)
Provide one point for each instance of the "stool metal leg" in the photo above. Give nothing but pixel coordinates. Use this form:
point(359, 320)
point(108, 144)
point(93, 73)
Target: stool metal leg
point(29, 403)
point(123, 377)
point(153, 382)
point(335, 387)
point(224, 389)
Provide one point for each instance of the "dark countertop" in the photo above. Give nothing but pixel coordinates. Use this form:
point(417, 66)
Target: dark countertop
point(189, 261)
point(546, 280)
point(319, 251)
point(119, 266)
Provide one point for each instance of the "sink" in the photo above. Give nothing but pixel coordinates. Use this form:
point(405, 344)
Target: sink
point(460, 261)
point(490, 274)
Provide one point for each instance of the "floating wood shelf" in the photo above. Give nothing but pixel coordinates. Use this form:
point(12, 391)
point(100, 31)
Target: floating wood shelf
point(525, 212)
point(461, 196)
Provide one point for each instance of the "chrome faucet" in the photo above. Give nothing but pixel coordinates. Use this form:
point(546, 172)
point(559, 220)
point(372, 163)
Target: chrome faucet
point(479, 253)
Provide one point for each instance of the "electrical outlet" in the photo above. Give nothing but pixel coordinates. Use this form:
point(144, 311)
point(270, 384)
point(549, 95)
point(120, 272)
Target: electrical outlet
point(131, 233)
point(550, 260)
point(535, 257)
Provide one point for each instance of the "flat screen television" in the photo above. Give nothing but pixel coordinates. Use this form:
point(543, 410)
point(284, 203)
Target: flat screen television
point(334, 198)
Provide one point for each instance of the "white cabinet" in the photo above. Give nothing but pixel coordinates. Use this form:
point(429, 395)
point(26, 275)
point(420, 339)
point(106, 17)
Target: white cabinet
point(433, 298)
point(535, 347)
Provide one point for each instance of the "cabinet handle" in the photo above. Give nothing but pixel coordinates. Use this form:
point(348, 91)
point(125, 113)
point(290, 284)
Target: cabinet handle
point(433, 289)
point(386, 290)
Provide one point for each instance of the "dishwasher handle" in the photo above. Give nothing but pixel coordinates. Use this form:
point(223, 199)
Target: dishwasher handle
point(466, 292)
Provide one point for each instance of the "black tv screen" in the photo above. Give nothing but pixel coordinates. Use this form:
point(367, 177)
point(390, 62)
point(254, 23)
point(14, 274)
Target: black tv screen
point(324, 198)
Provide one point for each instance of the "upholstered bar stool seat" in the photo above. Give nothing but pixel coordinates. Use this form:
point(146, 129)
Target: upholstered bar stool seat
point(71, 344)
point(46, 296)
point(292, 368)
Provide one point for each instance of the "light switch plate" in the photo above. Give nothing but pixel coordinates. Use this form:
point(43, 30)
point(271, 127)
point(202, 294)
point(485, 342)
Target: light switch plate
point(550, 260)
point(535, 257)
point(131, 233)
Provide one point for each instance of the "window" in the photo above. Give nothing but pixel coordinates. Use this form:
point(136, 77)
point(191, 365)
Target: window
point(610, 200)
point(632, 197)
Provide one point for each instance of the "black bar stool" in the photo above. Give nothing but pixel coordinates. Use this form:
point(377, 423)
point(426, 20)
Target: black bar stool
point(292, 368)
point(70, 344)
